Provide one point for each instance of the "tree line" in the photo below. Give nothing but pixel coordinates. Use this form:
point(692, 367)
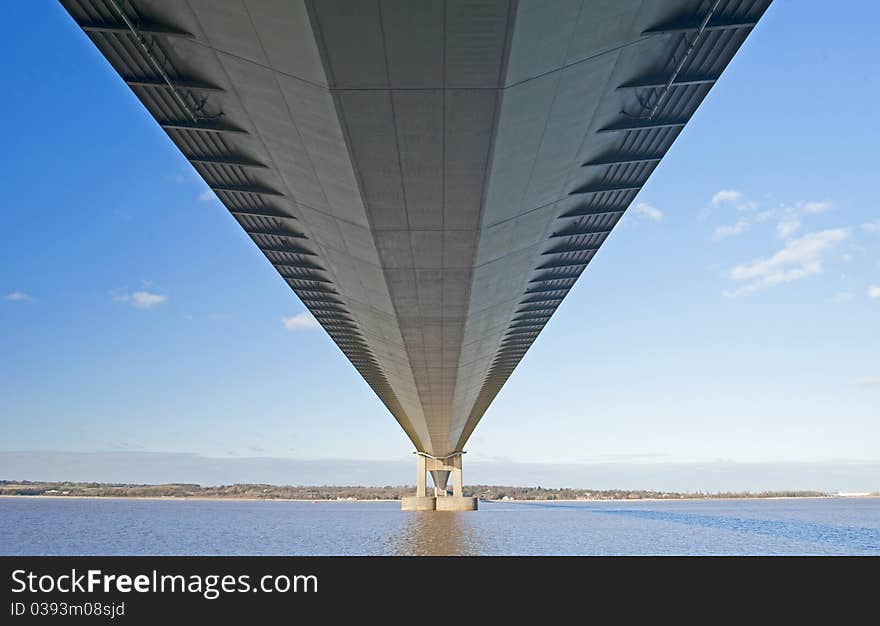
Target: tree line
point(330, 492)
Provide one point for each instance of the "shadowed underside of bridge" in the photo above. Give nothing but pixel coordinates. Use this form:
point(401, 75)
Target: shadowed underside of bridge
point(430, 177)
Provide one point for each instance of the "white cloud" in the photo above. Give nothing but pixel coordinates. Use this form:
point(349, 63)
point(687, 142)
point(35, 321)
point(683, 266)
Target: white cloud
point(733, 198)
point(814, 207)
point(18, 296)
point(142, 299)
point(872, 227)
point(789, 216)
point(868, 382)
point(799, 259)
point(874, 291)
point(726, 196)
point(207, 195)
point(844, 296)
point(649, 211)
point(730, 230)
point(301, 321)
point(787, 226)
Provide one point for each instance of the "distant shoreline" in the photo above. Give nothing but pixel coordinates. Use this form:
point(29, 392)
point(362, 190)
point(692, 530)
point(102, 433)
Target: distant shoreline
point(199, 498)
point(365, 500)
point(254, 492)
point(700, 499)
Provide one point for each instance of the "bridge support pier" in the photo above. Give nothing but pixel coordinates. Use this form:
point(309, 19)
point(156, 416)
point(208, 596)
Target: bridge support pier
point(440, 469)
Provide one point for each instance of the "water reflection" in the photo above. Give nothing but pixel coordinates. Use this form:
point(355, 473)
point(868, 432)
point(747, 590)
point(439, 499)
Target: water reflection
point(438, 533)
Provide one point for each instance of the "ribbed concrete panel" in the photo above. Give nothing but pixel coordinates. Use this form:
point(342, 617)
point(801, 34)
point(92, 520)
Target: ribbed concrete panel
point(420, 119)
point(542, 125)
point(566, 61)
point(430, 177)
point(476, 42)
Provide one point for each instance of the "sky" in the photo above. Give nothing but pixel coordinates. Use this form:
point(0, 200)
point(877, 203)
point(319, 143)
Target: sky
point(732, 317)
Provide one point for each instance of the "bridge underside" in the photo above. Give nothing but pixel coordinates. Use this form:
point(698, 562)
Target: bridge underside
point(430, 177)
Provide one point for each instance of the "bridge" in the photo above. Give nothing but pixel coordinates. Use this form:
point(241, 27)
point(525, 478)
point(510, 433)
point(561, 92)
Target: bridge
point(430, 177)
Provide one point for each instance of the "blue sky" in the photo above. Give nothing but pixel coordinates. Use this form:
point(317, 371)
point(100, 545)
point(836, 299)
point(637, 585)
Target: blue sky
point(734, 315)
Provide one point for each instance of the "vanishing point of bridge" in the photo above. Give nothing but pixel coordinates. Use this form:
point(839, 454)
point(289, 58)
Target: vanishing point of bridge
point(430, 177)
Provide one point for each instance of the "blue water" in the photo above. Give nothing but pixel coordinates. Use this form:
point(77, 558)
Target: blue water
point(44, 526)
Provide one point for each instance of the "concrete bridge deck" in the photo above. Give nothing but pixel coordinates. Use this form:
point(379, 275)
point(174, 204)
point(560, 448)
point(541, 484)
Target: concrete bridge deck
point(430, 177)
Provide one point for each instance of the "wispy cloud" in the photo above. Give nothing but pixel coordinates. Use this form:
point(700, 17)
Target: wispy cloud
point(799, 259)
point(142, 299)
point(726, 196)
point(787, 227)
point(789, 216)
point(18, 296)
point(648, 211)
point(872, 227)
point(624, 456)
point(731, 230)
point(733, 198)
point(207, 195)
point(813, 207)
point(874, 291)
point(730, 198)
point(301, 321)
point(742, 225)
point(868, 383)
point(844, 296)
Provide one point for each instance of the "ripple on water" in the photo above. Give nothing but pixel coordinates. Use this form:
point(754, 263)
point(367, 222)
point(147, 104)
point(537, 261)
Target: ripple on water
point(58, 526)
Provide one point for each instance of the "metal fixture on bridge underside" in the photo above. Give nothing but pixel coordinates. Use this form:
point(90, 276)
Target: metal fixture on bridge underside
point(429, 178)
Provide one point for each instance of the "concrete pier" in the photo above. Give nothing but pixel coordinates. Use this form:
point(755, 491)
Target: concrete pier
point(418, 503)
point(452, 503)
point(440, 469)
